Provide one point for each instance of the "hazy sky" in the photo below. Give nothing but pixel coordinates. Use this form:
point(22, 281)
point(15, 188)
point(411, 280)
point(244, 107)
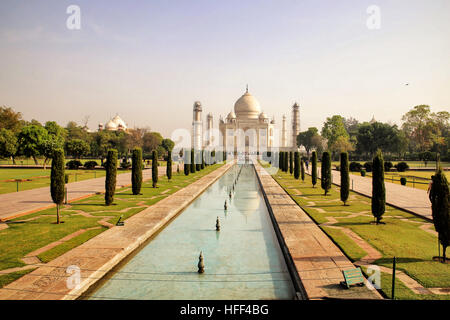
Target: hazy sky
point(150, 60)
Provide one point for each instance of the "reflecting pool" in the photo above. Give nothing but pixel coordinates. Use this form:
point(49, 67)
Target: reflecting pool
point(242, 261)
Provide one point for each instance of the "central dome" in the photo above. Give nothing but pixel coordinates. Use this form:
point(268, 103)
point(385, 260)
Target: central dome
point(247, 107)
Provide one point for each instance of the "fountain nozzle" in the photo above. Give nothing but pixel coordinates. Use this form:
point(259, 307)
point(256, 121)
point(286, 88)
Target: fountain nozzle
point(201, 265)
point(217, 224)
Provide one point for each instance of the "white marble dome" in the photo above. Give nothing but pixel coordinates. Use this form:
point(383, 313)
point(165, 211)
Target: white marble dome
point(247, 107)
point(110, 125)
point(231, 115)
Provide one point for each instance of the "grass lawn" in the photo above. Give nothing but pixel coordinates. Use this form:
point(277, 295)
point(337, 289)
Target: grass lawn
point(401, 236)
point(419, 164)
point(31, 232)
point(37, 178)
point(414, 179)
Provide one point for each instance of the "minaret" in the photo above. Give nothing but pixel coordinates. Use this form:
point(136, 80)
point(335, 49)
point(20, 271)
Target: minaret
point(295, 124)
point(209, 128)
point(283, 132)
point(197, 126)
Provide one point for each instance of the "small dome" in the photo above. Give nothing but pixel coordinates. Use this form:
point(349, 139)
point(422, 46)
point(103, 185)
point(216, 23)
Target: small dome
point(262, 115)
point(110, 125)
point(247, 107)
point(231, 115)
point(119, 122)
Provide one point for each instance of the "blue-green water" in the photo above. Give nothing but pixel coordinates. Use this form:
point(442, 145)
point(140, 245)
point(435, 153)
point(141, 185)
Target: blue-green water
point(242, 261)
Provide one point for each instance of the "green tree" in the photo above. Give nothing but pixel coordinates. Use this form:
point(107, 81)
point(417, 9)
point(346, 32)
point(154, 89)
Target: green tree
point(198, 161)
point(345, 177)
point(296, 165)
point(11, 120)
point(306, 140)
point(203, 159)
point(326, 172)
point(314, 168)
point(8, 144)
point(169, 165)
point(77, 148)
point(155, 168)
point(280, 160)
point(151, 141)
point(439, 197)
point(377, 135)
point(334, 128)
point(291, 162)
point(31, 139)
point(136, 171)
point(57, 181)
point(378, 188)
point(167, 144)
point(111, 176)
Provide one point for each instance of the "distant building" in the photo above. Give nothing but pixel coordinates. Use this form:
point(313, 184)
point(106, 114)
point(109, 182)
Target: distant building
point(115, 124)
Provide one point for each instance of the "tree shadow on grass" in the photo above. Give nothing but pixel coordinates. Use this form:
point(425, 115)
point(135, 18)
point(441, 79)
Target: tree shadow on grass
point(387, 261)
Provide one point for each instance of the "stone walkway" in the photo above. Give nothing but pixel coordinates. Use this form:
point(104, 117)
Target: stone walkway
point(319, 262)
point(17, 204)
point(409, 199)
point(100, 254)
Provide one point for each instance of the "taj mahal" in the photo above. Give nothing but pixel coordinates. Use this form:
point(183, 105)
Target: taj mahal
point(246, 127)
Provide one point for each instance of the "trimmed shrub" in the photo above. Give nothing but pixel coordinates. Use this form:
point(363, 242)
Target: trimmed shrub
point(388, 166)
point(363, 173)
point(154, 168)
point(203, 160)
point(368, 166)
point(439, 197)
point(111, 175)
point(193, 161)
point(296, 165)
point(345, 178)
point(326, 172)
point(90, 164)
point(57, 180)
point(125, 165)
point(74, 164)
point(169, 165)
point(314, 168)
point(136, 171)
point(286, 161)
point(187, 166)
point(355, 166)
point(378, 188)
point(403, 181)
point(66, 178)
point(402, 166)
point(291, 162)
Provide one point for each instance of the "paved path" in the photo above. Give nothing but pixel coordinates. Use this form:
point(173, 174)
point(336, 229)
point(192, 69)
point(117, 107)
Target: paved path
point(410, 199)
point(99, 255)
point(318, 261)
point(25, 202)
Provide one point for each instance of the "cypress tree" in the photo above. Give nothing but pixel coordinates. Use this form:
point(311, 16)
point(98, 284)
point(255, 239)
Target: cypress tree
point(296, 165)
point(57, 180)
point(439, 197)
point(198, 162)
point(154, 168)
point(111, 173)
point(280, 160)
point(291, 162)
point(192, 161)
point(345, 178)
point(326, 172)
point(302, 169)
point(378, 189)
point(136, 171)
point(187, 166)
point(169, 165)
point(314, 168)
point(203, 159)
point(286, 161)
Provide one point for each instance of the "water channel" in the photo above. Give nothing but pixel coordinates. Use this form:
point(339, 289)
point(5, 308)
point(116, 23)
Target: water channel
point(242, 261)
